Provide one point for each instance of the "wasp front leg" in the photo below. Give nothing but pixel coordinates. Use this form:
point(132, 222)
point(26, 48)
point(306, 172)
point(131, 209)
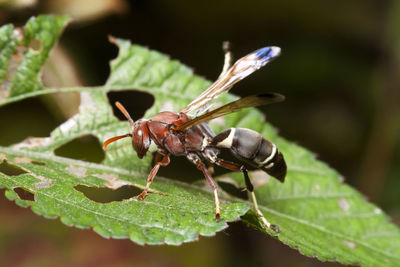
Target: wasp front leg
point(163, 162)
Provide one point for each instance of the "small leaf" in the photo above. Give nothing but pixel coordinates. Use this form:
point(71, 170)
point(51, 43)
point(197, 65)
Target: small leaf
point(23, 53)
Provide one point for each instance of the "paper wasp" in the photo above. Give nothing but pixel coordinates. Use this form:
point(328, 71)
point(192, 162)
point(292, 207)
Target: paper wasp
point(177, 134)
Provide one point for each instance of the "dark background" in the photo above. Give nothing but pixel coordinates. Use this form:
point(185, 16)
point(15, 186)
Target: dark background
point(338, 70)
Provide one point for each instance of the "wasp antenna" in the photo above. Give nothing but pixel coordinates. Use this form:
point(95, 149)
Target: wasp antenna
point(113, 139)
point(126, 114)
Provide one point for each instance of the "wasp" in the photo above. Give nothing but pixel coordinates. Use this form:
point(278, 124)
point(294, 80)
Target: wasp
point(177, 134)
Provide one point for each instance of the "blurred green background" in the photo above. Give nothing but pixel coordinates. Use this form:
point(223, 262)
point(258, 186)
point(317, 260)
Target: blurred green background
point(339, 70)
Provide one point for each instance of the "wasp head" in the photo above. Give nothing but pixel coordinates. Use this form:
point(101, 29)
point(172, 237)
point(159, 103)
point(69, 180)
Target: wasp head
point(140, 138)
point(140, 134)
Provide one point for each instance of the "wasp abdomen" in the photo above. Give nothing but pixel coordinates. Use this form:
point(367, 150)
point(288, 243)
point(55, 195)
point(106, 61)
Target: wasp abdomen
point(251, 147)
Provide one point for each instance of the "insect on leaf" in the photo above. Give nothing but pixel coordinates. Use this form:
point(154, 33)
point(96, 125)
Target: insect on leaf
point(318, 214)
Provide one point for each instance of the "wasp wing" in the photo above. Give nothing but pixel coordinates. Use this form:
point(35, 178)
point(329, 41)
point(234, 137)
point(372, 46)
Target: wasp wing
point(240, 70)
point(246, 102)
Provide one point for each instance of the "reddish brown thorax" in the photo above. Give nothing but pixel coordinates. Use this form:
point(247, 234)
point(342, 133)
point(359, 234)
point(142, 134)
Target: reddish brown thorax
point(159, 129)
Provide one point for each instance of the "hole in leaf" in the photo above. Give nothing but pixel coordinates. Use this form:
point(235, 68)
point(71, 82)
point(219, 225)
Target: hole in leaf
point(29, 117)
point(24, 194)
point(233, 190)
point(181, 169)
point(36, 45)
point(40, 163)
point(10, 170)
point(87, 148)
point(135, 102)
point(107, 195)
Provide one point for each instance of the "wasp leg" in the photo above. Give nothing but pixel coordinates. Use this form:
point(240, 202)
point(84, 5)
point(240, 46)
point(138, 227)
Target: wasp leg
point(194, 158)
point(228, 60)
point(210, 167)
point(164, 162)
point(236, 167)
point(200, 165)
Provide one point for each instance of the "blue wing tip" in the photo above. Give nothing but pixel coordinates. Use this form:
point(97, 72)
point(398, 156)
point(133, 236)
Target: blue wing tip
point(268, 53)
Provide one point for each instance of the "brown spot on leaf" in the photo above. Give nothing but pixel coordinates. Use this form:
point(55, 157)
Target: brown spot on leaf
point(33, 142)
point(107, 176)
point(13, 63)
point(87, 102)
point(24, 194)
point(36, 45)
point(68, 125)
point(343, 204)
point(18, 34)
point(349, 244)
point(27, 160)
point(44, 183)
point(377, 211)
point(4, 87)
point(22, 160)
point(77, 171)
point(113, 181)
point(15, 60)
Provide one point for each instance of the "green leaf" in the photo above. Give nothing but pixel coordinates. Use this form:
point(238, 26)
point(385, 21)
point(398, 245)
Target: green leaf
point(172, 214)
point(318, 214)
point(22, 54)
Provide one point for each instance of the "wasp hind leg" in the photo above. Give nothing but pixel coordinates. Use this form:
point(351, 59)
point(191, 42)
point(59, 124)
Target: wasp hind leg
point(250, 188)
point(235, 167)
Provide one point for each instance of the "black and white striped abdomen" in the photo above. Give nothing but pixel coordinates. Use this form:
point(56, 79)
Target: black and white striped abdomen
point(251, 147)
